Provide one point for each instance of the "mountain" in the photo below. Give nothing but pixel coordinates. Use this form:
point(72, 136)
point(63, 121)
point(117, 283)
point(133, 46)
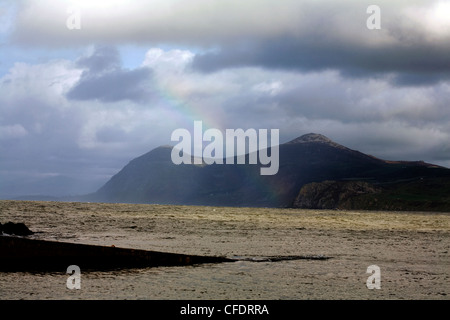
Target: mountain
point(311, 158)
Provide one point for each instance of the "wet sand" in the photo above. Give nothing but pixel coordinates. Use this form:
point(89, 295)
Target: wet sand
point(411, 249)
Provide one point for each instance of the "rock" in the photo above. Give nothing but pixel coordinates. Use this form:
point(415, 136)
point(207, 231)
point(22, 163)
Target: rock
point(332, 194)
point(22, 254)
point(18, 229)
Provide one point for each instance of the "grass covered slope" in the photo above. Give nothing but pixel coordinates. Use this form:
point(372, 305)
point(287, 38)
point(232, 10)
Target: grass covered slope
point(422, 194)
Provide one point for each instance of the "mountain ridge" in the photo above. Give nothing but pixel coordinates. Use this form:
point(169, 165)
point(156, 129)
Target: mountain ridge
point(153, 178)
point(317, 138)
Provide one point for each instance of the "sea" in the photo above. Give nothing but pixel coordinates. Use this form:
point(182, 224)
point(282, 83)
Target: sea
point(281, 254)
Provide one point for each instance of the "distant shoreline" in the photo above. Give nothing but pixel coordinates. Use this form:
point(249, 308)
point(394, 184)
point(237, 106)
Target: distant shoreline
point(237, 207)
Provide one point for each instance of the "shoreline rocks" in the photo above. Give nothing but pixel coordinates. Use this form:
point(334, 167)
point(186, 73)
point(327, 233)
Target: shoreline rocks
point(21, 254)
point(16, 229)
point(332, 194)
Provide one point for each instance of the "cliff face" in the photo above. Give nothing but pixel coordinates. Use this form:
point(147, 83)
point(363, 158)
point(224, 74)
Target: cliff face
point(417, 194)
point(332, 194)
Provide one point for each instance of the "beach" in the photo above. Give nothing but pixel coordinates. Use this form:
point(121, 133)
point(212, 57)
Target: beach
point(411, 250)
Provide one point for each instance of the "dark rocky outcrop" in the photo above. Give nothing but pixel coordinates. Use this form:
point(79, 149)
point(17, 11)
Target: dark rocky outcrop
point(419, 194)
point(332, 194)
point(22, 254)
point(17, 229)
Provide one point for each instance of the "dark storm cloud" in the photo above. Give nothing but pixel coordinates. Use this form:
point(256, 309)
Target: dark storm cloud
point(105, 80)
point(410, 64)
point(309, 35)
point(421, 79)
point(113, 86)
point(103, 58)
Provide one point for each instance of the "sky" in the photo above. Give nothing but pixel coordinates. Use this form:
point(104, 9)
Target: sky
point(88, 85)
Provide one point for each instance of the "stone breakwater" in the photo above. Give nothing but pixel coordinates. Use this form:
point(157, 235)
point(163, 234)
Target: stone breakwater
point(21, 254)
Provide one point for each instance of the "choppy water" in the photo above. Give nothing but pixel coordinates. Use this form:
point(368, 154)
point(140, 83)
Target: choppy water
point(411, 249)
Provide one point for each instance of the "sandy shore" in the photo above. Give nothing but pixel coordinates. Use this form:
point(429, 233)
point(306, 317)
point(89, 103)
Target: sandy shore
point(411, 249)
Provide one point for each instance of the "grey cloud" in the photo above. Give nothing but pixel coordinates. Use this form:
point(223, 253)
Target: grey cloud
point(326, 96)
point(105, 80)
point(103, 58)
point(305, 35)
point(111, 134)
point(411, 65)
point(421, 79)
point(113, 86)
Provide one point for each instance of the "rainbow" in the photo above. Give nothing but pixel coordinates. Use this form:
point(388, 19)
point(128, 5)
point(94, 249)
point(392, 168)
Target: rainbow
point(184, 113)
